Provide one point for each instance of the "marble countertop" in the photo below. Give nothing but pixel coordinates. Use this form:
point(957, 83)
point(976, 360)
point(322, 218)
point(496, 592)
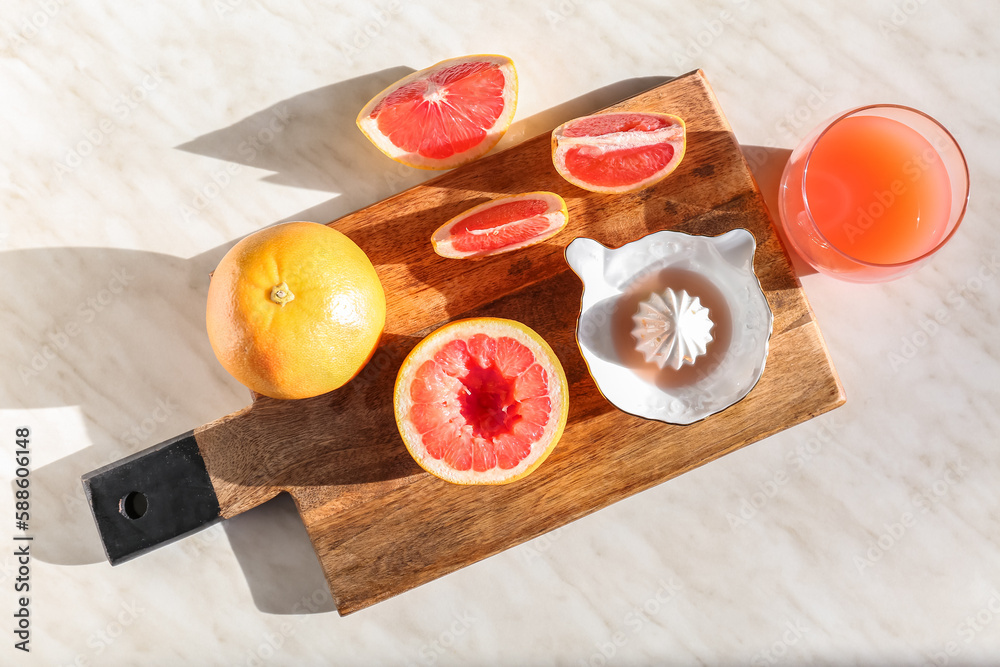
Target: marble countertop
point(141, 140)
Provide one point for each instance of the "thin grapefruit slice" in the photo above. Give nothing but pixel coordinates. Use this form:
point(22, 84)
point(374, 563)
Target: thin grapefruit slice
point(618, 151)
point(445, 115)
point(481, 401)
point(501, 225)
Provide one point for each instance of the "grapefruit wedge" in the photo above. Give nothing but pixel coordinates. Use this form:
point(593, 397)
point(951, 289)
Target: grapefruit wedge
point(501, 225)
point(618, 151)
point(446, 115)
point(481, 401)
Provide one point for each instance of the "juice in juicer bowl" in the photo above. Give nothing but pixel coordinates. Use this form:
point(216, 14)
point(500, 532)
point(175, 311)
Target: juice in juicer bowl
point(719, 271)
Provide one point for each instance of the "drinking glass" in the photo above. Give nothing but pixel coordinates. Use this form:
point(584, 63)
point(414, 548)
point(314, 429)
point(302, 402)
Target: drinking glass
point(868, 200)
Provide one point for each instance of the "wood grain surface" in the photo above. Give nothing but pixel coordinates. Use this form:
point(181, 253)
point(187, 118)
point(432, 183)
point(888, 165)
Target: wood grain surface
point(379, 524)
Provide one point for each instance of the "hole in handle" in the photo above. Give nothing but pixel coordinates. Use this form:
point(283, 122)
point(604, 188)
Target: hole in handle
point(133, 505)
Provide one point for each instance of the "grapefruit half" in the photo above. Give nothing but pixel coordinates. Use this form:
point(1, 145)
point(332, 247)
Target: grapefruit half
point(618, 151)
point(481, 401)
point(501, 225)
point(446, 115)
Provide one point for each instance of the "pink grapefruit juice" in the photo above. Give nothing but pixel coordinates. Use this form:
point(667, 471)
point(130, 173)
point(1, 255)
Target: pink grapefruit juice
point(877, 190)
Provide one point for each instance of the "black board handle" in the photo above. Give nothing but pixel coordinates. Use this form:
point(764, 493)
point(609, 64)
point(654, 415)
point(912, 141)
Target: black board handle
point(151, 498)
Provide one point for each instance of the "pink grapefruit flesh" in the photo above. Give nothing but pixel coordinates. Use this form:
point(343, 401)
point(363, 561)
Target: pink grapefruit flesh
point(501, 225)
point(445, 115)
point(481, 401)
point(619, 151)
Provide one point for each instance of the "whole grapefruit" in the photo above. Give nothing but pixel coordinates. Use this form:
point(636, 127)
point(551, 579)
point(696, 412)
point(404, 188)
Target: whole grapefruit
point(295, 310)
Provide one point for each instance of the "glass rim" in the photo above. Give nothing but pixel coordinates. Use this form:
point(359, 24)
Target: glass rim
point(937, 246)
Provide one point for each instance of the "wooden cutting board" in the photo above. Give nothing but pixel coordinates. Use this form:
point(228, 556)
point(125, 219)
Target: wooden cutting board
point(379, 524)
